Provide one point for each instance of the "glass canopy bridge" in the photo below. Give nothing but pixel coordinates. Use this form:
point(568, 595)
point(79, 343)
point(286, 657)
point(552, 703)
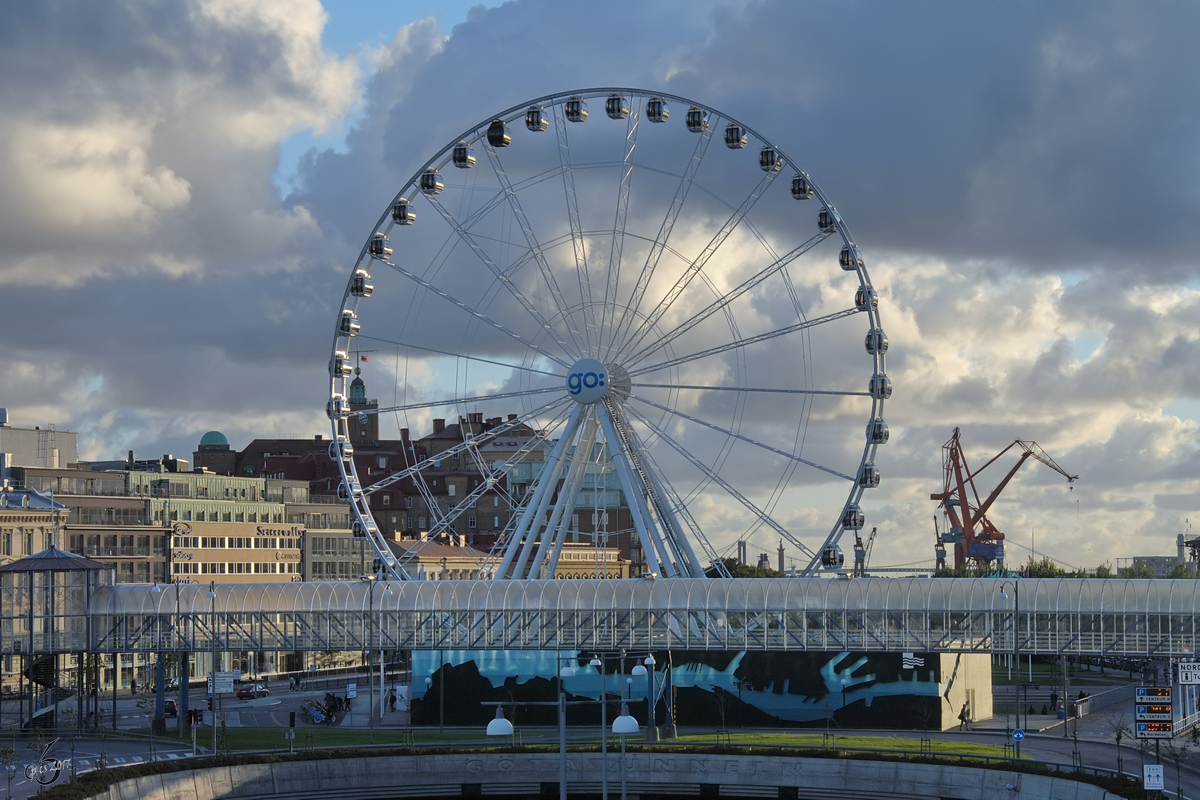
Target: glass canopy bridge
point(1054, 616)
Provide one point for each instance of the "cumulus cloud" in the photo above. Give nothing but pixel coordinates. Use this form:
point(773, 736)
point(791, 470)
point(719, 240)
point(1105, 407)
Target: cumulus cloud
point(1021, 180)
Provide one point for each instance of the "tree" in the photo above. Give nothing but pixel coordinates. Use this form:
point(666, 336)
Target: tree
point(1177, 752)
point(1119, 729)
point(1045, 567)
point(1104, 571)
point(1142, 571)
point(739, 570)
point(1182, 572)
point(8, 757)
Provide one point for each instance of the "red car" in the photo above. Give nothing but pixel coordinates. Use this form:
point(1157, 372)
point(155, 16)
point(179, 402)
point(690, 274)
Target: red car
point(251, 691)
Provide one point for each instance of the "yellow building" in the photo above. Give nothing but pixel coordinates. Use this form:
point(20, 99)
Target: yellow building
point(233, 552)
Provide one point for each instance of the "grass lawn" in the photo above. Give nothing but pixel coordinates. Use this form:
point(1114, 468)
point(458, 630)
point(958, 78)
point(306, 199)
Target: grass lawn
point(270, 738)
point(816, 740)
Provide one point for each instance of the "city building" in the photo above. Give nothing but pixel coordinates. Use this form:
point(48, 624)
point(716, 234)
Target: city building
point(35, 447)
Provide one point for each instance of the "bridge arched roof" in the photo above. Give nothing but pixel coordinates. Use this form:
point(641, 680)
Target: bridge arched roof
point(776, 595)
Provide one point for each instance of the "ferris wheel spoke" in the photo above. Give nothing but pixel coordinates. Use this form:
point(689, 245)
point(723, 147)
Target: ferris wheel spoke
point(749, 504)
point(741, 437)
point(612, 277)
point(454, 401)
point(728, 298)
point(664, 234)
point(683, 281)
point(572, 204)
point(742, 343)
point(535, 248)
point(750, 389)
point(503, 277)
point(518, 367)
point(479, 315)
point(429, 462)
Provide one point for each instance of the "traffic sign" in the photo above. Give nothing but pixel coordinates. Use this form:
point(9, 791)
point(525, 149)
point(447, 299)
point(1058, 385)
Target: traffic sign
point(1152, 691)
point(224, 683)
point(1153, 730)
point(351, 691)
point(1018, 735)
point(1158, 712)
point(1153, 777)
point(1189, 672)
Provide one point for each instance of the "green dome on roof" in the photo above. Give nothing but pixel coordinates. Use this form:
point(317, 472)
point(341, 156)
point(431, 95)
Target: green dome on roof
point(215, 439)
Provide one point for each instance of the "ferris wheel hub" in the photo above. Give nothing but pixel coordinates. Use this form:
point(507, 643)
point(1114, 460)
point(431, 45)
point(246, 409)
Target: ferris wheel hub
point(588, 381)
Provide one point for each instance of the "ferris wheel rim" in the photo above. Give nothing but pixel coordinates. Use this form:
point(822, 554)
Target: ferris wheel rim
point(562, 357)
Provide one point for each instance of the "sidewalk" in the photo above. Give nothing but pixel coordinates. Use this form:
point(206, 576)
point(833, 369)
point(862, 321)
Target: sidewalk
point(1035, 723)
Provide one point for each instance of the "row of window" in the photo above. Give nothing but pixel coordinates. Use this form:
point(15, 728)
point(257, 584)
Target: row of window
point(334, 546)
point(235, 568)
point(386, 499)
point(20, 542)
point(220, 516)
point(97, 545)
point(236, 542)
point(335, 570)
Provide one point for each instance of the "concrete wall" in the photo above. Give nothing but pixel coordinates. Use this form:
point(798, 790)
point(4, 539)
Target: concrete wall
point(665, 773)
point(967, 678)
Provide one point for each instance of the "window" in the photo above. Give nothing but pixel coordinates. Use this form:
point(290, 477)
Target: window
point(408, 522)
point(383, 462)
point(496, 501)
point(422, 522)
point(408, 501)
point(495, 522)
point(187, 516)
point(470, 522)
point(387, 499)
point(450, 489)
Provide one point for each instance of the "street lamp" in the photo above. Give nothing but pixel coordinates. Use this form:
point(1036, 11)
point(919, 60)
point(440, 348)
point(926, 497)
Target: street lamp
point(598, 661)
point(651, 728)
point(212, 596)
point(843, 694)
point(566, 672)
point(624, 725)
point(499, 726)
point(1016, 590)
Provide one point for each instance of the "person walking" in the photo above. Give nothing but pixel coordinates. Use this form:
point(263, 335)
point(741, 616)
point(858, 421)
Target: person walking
point(392, 700)
point(1054, 702)
point(964, 718)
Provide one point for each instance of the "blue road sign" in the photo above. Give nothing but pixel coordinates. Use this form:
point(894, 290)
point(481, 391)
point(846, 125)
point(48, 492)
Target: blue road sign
point(1018, 735)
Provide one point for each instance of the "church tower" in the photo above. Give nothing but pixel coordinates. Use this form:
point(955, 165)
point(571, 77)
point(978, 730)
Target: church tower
point(363, 423)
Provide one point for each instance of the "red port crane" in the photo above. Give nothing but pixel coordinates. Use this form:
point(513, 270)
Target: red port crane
point(975, 538)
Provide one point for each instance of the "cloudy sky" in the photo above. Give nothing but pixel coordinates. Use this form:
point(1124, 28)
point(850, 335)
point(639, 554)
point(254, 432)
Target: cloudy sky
point(186, 185)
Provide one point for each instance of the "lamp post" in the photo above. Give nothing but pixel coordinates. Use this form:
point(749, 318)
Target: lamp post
point(598, 661)
point(843, 694)
point(1016, 590)
point(567, 671)
point(647, 668)
point(624, 725)
point(212, 596)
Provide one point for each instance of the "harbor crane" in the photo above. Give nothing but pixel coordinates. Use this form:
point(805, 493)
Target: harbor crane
point(862, 553)
point(976, 540)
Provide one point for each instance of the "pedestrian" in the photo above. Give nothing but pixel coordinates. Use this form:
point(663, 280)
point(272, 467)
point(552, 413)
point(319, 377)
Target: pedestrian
point(1053, 702)
point(392, 700)
point(133, 686)
point(963, 719)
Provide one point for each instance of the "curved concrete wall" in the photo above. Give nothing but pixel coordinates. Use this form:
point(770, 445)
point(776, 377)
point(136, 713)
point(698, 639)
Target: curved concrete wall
point(658, 773)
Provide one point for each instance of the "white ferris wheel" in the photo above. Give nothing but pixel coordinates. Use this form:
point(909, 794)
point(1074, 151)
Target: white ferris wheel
point(651, 306)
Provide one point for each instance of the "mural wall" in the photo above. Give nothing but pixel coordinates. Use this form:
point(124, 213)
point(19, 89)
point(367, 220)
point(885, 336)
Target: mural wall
point(732, 689)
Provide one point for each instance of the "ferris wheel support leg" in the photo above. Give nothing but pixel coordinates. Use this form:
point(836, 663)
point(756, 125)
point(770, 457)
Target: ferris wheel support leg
point(522, 538)
point(642, 519)
point(681, 550)
point(560, 520)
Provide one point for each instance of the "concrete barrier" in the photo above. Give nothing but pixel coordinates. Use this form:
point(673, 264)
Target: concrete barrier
point(677, 774)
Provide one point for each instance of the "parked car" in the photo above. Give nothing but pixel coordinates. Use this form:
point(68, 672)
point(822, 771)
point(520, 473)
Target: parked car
point(252, 690)
point(170, 709)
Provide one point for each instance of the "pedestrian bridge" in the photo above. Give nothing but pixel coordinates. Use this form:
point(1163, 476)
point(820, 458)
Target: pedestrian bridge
point(1052, 616)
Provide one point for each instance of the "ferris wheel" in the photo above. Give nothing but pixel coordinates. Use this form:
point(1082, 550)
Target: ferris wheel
point(632, 303)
